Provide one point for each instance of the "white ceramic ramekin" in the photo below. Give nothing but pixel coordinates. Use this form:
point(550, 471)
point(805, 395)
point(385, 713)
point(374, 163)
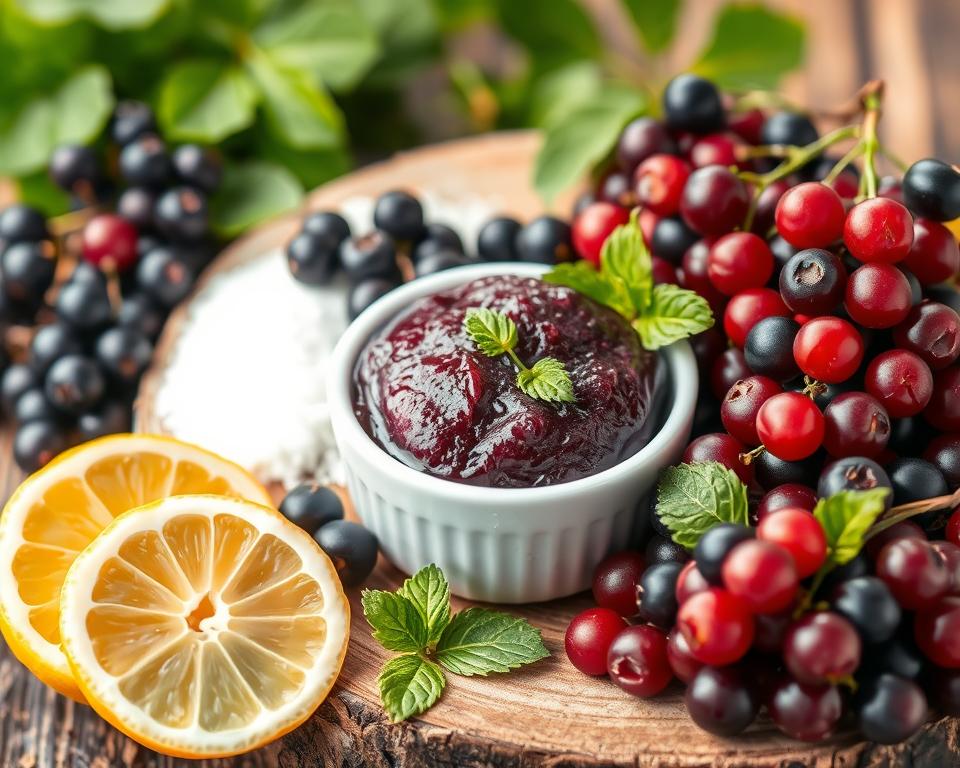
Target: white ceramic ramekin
point(505, 545)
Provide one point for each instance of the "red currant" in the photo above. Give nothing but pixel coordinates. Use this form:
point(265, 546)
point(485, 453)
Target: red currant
point(738, 261)
point(714, 200)
point(805, 712)
point(856, 424)
point(822, 648)
point(937, 631)
point(932, 331)
point(878, 296)
point(810, 215)
point(588, 639)
point(762, 574)
point(659, 181)
point(953, 527)
point(722, 448)
point(637, 661)
point(786, 496)
point(739, 408)
point(828, 349)
point(790, 426)
point(615, 582)
point(747, 125)
point(694, 276)
point(763, 219)
point(714, 149)
point(934, 256)
point(914, 571)
point(943, 411)
point(593, 225)
point(905, 529)
point(689, 582)
point(878, 230)
point(717, 626)
point(640, 139)
point(727, 370)
point(748, 308)
point(799, 533)
point(682, 663)
point(108, 241)
point(951, 558)
point(901, 381)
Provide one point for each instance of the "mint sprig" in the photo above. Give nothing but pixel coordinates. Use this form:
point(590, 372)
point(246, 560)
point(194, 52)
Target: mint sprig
point(692, 498)
point(416, 621)
point(846, 518)
point(495, 334)
point(660, 314)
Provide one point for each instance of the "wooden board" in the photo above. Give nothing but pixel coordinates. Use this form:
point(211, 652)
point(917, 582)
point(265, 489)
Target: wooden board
point(545, 715)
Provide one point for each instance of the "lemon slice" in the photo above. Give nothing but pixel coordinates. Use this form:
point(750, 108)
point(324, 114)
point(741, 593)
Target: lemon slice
point(203, 626)
point(57, 511)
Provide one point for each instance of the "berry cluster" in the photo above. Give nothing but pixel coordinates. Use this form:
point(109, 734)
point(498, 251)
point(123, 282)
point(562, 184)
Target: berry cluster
point(84, 296)
point(403, 246)
point(732, 624)
point(319, 511)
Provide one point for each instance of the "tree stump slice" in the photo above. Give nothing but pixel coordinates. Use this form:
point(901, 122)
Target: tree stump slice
point(548, 714)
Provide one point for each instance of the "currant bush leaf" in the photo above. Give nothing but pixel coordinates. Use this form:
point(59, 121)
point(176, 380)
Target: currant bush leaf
point(494, 333)
point(548, 380)
point(410, 685)
point(479, 641)
point(692, 498)
point(846, 517)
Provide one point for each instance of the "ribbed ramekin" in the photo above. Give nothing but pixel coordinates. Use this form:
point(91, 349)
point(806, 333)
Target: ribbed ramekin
point(505, 545)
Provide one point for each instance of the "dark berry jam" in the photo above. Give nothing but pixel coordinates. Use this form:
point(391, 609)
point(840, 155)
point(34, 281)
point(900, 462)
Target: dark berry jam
point(432, 401)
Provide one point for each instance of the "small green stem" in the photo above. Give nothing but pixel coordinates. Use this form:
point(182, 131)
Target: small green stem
point(517, 361)
point(872, 99)
point(855, 151)
point(906, 511)
point(901, 165)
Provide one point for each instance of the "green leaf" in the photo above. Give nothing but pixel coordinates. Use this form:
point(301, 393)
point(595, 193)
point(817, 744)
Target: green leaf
point(429, 592)
point(554, 31)
point(409, 685)
point(479, 641)
point(846, 517)
point(251, 193)
point(625, 258)
point(558, 93)
point(752, 47)
point(112, 14)
point(396, 621)
point(675, 313)
point(588, 133)
point(548, 380)
point(333, 41)
point(298, 109)
point(494, 333)
point(408, 31)
point(312, 167)
point(206, 100)
point(656, 21)
point(40, 192)
point(584, 278)
point(692, 498)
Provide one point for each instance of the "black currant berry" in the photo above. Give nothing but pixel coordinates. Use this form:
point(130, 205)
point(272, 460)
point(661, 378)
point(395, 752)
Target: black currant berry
point(21, 223)
point(771, 471)
point(931, 189)
point(657, 594)
point(312, 259)
point(75, 169)
point(124, 354)
point(328, 225)
point(74, 384)
point(915, 480)
point(111, 418)
point(662, 549)
point(352, 548)
point(868, 604)
point(399, 214)
point(891, 709)
point(33, 405)
point(438, 262)
point(782, 253)
point(545, 240)
point(164, 277)
point(17, 379)
point(28, 270)
point(854, 473)
point(84, 304)
point(714, 546)
point(438, 237)
point(372, 255)
point(367, 291)
point(311, 506)
point(181, 214)
point(788, 128)
point(131, 120)
point(813, 281)
point(497, 240)
point(720, 701)
point(198, 167)
point(136, 205)
point(140, 313)
point(49, 344)
point(144, 162)
point(768, 349)
point(691, 103)
point(671, 239)
point(36, 443)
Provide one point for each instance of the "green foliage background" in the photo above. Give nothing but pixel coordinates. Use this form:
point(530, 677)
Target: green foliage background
point(292, 91)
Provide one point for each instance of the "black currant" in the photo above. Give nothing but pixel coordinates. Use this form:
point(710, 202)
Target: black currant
point(662, 549)
point(112, 417)
point(437, 237)
point(33, 405)
point(372, 255)
point(75, 168)
point(311, 506)
point(164, 277)
point(692, 103)
point(868, 604)
point(720, 701)
point(854, 473)
point(74, 384)
point(714, 546)
point(145, 162)
point(131, 120)
point(671, 239)
point(891, 709)
point(124, 354)
point(49, 344)
point(198, 167)
point(497, 240)
point(21, 223)
point(768, 349)
point(312, 259)
point(328, 225)
point(657, 594)
point(915, 480)
point(438, 262)
point(399, 214)
point(545, 240)
point(136, 205)
point(788, 128)
point(140, 313)
point(352, 548)
point(28, 270)
point(782, 253)
point(17, 379)
point(813, 281)
point(84, 304)
point(771, 471)
point(181, 214)
point(36, 443)
point(931, 189)
point(367, 291)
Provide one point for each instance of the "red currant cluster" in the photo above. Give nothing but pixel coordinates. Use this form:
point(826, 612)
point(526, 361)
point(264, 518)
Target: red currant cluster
point(735, 624)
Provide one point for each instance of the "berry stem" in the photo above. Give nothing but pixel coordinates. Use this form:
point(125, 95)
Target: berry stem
point(854, 152)
point(748, 457)
point(872, 95)
point(906, 511)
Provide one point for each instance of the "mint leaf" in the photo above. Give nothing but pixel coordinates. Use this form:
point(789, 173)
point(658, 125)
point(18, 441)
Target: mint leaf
point(547, 380)
point(494, 333)
point(846, 518)
point(584, 278)
point(429, 592)
point(112, 14)
point(409, 685)
point(206, 100)
point(675, 313)
point(250, 193)
point(479, 641)
point(656, 21)
point(625, 260)
point(692, 498)
point(396, 622)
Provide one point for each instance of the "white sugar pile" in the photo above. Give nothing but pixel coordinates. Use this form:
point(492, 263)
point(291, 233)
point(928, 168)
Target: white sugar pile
point(246, 377)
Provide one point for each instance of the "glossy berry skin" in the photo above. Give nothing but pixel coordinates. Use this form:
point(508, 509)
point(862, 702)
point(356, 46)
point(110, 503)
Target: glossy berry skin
point(812, 282)
point(821, 648)
point(932, 331)
point(545, 240)
point(658, 183)
point(399, 214)
point(439, 261)
point(748, 308)
point(311, 259)
point(616, 187)
point(747, 125)
point(33, 405)
point(593, 226)
point(637, 661)
point(589, 637)
point(497, 239)
point(17, 379)
point(371, 255)
point(729, 368)
point(915, 479)
point(198, 167)
point(788, 128)
point(365, 292)
point(689, 582)
point(74, 384)
point(692, 103)
point(805, 712)
point(855, 424)
point(715, 149)
point(75, 169)
point(142, 314)
point(312, 506)
point(937, 632)
point(714, 200)
point(762, 574)
point(720, 701)
point(136, 205)
point(739, 260)
point(164, 277)
point(131, 120)
point(110, 242)
point(867, 603)
point(671, 239)
point(901, 381)
point(123, 354)
point(914, 571)
point(931, 189)
point(641, 138)
point(934, 255)
point(664, 550)
point(878, 296)
point(36, 443)
point(944, 452)
point(790, 426)
point(828, 349)
point(739, 408)
point(717, 626)
point(943, 410)
point(810, 215)
point(181, 214)
point(854, 473)
point(615, 582)
point(786, 496)
point(715, 545)
point(953, 528)
point(328, 225)
point(878, 230)
point(693, 274)
point(144, 162)
point(352, 548)
point(656, 594)
point(798, 533)
point(722, 448)
point(28, 270)
point(684, 666)
point(891, 709)
point(771, 471)
point(768, 349)
point(21, 223)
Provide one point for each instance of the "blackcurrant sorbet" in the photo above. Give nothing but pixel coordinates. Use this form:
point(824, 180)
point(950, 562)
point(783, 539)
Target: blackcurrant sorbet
point(425, 393)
